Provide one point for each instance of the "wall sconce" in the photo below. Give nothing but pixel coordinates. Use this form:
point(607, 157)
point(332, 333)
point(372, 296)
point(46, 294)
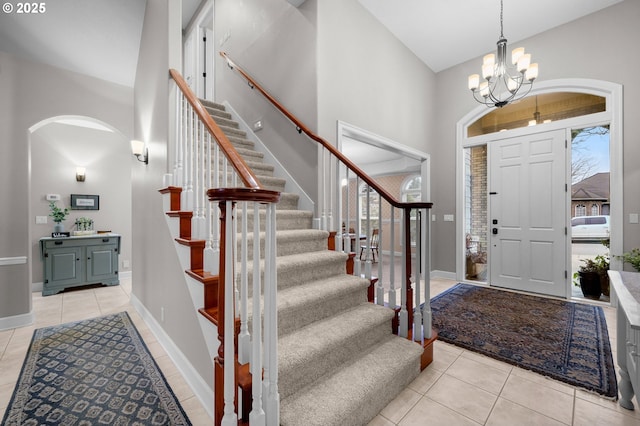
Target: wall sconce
point(140, 151)
point(81, 173)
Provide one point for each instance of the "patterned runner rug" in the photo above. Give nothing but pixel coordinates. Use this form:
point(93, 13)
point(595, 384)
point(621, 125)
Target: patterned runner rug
point(563, 340)
point(97, 371)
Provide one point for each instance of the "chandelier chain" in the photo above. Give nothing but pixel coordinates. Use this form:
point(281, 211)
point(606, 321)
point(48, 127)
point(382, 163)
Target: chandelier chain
point(501, 29)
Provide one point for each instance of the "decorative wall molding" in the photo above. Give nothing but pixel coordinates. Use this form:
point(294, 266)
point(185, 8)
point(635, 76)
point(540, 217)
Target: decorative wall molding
point(16, 321)
point(18, 260)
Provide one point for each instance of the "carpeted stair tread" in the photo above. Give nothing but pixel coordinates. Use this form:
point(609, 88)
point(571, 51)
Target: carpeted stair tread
point(356, 393)
point(260, 169)
point(285, 218)
point(329, 343)
point(232, 131)
point(267, 182)
point(296, 268)
point(300, 268)
point(241, 142)
point(300, 305)
point(291, 242)
point(211, 104)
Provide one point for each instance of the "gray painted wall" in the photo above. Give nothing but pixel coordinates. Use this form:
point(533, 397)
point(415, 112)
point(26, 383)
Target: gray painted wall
point(32, 93)
point(275, 43)
point(158, 278)
point(56, 150)
point(599, 46)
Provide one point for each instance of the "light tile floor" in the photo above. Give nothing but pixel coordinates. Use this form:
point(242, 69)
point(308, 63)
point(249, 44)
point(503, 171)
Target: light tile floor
point(83, 304)
point(458, 388)
point(461, 387)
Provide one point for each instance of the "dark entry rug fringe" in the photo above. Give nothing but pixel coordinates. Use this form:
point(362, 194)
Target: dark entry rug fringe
point(563, 340)
point(96, 371)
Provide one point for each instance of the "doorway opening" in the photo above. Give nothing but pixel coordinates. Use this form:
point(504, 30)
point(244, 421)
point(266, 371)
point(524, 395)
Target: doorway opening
point(591, 107)
point(590, 211)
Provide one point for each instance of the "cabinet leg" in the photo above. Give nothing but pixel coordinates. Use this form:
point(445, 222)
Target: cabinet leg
point(626, 390)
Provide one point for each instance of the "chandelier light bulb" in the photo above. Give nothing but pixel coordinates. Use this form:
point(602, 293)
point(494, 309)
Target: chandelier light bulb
point(523, 62)
point(474, 81)
point(532, 72)
point(516, 54)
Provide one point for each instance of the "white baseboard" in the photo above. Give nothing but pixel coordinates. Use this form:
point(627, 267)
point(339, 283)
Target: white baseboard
point(199, 387)
point(16, 321)
point(444, 275)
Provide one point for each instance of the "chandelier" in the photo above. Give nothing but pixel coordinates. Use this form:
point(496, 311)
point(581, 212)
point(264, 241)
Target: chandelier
point(503, 82)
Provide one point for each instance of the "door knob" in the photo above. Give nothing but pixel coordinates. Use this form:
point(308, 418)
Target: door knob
point(494, 231)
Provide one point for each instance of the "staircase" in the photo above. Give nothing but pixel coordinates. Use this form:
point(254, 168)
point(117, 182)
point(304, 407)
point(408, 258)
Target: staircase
point(338, 361)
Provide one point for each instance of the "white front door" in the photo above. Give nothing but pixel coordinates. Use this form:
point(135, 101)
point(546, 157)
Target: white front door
point(527, 209)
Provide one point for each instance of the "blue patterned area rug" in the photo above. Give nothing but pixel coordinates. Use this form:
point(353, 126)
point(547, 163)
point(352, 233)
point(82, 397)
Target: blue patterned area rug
point(92, 372)
point(562, 340)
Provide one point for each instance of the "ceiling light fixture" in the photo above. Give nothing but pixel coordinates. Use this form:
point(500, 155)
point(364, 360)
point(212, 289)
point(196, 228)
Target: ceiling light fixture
point(503, 81)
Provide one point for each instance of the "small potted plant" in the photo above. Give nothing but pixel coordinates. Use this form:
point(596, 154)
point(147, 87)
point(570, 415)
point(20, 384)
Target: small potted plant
point(58, 216)
point(592, 277)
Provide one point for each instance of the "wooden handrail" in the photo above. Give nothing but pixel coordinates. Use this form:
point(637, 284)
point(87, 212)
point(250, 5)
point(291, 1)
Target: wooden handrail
point(302, 128)
point(246, 174)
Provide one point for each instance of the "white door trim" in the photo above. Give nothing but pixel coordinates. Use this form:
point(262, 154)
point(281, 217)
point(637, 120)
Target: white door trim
point(612, 92)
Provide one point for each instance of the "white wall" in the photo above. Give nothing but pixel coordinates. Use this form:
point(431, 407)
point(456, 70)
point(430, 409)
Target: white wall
point(599, 46)
point(31, 93)
point(56, 150)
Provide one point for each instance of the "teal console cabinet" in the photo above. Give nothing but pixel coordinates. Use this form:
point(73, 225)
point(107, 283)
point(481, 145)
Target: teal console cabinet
point(76, 261)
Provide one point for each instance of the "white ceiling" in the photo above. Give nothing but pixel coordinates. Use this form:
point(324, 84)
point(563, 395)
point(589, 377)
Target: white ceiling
point(101, 38)
point(444, 33)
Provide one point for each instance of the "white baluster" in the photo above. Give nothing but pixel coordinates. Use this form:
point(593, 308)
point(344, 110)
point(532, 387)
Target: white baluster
point(417, 312)
point(392, 275)
point(211, 259)
point(380, 288)
point(404, 315)
point(358, 231)
point(272, 396)
point(230, 418)
point(425, 238)
point(368, 232)
point(257, 415)
point(244, 338)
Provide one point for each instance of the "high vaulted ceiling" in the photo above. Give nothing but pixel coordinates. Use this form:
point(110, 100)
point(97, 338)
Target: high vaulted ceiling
point(444, 33)
point(101, 38)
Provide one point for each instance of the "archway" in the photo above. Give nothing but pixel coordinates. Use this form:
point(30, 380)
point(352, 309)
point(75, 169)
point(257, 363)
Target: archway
point(57, 146)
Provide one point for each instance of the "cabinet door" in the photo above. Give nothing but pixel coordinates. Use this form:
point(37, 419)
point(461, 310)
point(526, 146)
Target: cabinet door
point(102, 263)
point(63, 267)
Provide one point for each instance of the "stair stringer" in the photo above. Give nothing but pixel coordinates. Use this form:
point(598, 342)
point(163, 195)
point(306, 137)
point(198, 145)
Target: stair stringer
point(195, 288)
point(304, 202)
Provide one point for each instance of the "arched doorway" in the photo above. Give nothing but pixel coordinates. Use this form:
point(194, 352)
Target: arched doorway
point(469, 138)
point(57, 146)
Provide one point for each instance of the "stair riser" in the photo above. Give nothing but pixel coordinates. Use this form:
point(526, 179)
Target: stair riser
point(292, 379)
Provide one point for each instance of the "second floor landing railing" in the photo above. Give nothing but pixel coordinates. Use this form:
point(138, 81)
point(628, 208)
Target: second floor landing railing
point(354, 210)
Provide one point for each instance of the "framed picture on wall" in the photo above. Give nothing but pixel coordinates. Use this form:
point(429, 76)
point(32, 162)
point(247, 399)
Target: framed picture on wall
point(85, 202)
